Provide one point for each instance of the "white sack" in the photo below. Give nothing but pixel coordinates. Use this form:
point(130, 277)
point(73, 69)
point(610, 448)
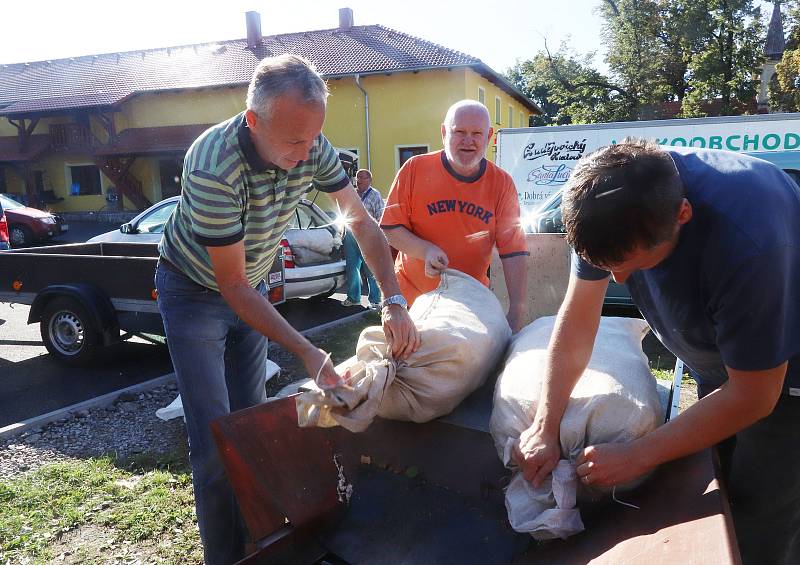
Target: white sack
point(313, 245)
point(464, 334)
point(615, 400)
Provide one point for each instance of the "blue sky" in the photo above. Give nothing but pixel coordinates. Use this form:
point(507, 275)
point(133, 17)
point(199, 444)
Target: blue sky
point(513, 29)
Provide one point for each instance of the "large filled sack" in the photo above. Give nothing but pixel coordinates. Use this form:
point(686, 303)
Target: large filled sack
point(615, 400)
point(464, 334)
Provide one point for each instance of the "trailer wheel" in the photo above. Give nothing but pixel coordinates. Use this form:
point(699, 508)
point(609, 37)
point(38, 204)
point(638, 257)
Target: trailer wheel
point(68, 332)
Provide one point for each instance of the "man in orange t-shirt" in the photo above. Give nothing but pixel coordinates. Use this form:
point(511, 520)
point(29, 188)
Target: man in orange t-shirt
point(449, 208)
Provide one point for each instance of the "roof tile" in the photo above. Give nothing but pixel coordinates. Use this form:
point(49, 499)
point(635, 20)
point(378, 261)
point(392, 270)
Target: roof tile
point(102, 80)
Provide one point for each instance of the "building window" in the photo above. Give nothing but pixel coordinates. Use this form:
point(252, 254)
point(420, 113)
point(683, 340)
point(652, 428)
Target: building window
point(170, 171)
point(482, 95)
point(404, 153)
point(84, 180)
point(522, 122)
point(498, 114)
point(510, 117)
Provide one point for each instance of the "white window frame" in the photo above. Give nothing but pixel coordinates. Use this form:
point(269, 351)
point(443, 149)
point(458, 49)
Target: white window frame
point(482, 95)
point(68, 179)
point(498, 112)
point(397, 149)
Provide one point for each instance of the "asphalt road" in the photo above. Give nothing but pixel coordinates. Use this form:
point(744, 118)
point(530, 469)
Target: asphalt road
point(32, 383)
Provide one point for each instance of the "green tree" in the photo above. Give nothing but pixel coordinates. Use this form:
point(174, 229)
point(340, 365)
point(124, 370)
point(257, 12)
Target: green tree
point(727, 65)
point(568, 89)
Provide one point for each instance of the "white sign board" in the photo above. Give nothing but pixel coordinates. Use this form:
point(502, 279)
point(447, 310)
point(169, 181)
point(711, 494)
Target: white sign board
point(540, 160)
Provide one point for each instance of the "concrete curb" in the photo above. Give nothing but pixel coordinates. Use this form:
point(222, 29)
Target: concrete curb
point(12, 430)
point(97, 402)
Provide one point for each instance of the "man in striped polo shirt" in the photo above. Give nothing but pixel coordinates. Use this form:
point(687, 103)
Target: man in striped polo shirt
point(242, 181)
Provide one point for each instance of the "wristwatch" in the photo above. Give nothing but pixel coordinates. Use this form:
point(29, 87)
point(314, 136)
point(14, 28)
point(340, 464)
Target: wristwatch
point(395, 299)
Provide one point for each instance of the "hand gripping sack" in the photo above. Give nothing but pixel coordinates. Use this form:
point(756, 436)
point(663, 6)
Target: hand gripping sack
point(464, 334)
point(615, 400)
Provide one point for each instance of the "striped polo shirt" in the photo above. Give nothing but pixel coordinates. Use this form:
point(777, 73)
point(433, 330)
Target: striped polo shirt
point(229, 193)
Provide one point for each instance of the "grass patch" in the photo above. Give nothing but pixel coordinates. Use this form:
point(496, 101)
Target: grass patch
point(147, 513)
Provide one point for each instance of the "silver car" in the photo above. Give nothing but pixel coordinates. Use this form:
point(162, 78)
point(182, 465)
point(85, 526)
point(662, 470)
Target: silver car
point(307, 274)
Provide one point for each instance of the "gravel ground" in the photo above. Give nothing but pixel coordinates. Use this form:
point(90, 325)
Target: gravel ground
point(125, 429)
point(129, 427)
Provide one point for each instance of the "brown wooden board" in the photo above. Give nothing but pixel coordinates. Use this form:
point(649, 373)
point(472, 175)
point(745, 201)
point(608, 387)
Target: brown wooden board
point(279, 471)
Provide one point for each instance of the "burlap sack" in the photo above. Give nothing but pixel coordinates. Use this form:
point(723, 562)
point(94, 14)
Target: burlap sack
point(615, 400)
point(464, 334)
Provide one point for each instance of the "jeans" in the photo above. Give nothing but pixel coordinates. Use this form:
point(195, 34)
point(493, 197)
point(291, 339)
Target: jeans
point(354, 263)
point(220, 364)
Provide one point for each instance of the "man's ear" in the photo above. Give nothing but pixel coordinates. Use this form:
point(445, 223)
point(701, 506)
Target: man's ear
point(251, 118)
point(684, 212)
point(491, 131)
point(444, 132)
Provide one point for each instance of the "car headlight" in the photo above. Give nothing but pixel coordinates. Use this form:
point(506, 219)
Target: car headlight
point(48, 220)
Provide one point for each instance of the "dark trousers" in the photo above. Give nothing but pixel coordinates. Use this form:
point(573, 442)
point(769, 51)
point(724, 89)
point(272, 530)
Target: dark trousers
point(761, 468)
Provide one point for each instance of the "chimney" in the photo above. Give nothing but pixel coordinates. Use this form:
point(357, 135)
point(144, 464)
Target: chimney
point(345, 18)
point(253, 29)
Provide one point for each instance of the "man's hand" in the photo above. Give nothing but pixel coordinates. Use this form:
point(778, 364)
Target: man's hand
point(610, 464)
point(436, 261)
point(400, 331)
point(536, 454)
point(319, 367)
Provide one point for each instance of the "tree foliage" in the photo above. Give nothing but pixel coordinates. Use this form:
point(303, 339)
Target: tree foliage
point(687, 52)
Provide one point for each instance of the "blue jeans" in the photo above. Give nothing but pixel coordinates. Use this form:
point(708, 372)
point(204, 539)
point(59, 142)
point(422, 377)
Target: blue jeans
point(354, 263)
point(220, 364)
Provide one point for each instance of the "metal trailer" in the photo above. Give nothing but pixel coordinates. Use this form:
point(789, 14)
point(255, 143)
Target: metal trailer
point(89, 295)
point(433, 493)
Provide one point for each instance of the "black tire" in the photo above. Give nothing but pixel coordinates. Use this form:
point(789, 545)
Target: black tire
point(68, 332)
point(19, 236)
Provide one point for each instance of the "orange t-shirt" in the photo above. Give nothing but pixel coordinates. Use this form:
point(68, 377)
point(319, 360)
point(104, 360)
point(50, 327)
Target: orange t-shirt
point(465, 217)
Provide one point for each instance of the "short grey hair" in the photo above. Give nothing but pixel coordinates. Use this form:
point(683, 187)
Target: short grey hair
point(461, 104)
point(275, 76)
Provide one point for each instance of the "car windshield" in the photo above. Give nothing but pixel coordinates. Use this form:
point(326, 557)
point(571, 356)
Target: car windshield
point(154, 221)
point(9, 203)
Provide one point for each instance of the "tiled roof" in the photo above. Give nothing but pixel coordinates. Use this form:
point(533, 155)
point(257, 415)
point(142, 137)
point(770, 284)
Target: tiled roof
point(141, 141)
point(11, 152)
point(103, 80)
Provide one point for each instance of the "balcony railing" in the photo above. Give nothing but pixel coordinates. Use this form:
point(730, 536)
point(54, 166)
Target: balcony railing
point(70, 136)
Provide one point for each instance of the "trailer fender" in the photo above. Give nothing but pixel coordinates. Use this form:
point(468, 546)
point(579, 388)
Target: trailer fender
point(94, 300)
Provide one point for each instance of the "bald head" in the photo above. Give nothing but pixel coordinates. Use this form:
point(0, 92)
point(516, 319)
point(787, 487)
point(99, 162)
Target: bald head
point(464, 107)
point(465, 134)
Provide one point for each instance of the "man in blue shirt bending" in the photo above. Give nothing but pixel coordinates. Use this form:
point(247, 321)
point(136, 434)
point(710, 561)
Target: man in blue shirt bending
point(708, 243)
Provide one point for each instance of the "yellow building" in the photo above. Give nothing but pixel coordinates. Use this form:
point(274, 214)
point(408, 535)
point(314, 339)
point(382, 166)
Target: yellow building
point(108, 132)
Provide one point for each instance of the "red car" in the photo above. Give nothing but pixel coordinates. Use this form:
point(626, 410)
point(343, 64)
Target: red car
point(28, 225)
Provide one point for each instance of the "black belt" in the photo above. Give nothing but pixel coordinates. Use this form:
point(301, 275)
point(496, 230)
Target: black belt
point(162, 261)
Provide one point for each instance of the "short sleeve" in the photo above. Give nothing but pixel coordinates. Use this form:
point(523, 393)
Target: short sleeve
point(585, 270)
point(397, 212)
point(330, 176)
point(215, 210)
point(756, 311)
point(509, 236)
